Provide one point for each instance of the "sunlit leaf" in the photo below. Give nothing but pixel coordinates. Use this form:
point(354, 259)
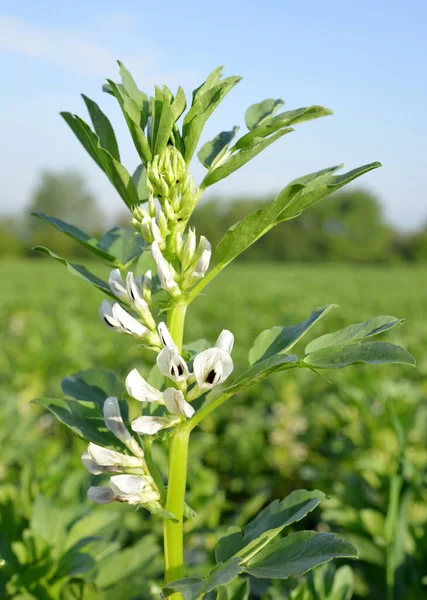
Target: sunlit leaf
point(372, 353)
point(358, 331)
point(281, 339)
point(79, 271)
point(296, 554)
point(80, 236)
point(103, 128)
point(212, 152)
point(256, 114)
point(267, 525)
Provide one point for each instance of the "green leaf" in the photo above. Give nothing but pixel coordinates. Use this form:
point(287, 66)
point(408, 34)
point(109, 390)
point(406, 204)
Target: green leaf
point(358, 331)
point(212, 152)
point(211, 80)
point(80, 590)
point(205, 101)
point(163, 119)
point(289, 203)
point(241, 590)
point(78, 271)
point(82, 409)
point(93, 385)
point(82, 134)
point(135, 94)
point(243, 234)
point(187, 587)
point(237, 160)
point(372, 353)
point(272, 124)
point(261, 370)
point(281, 339)
point(256, 114)
point(84, 419)
point(89, 242)
point(123, 243)
point(140, 180)
point(103, 128)
point(179, 104)
point(343, 585)
point(193, 588)
point(114, 170)
point(222, 594)
point(134, 116)
point(296, 554)
point(128, 561)
point(318, 185)
point(267, 524)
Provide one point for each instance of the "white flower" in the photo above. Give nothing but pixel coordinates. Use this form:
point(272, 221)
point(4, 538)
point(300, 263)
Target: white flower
point(115, 281)
point(176, 404)
point(114, 422)
point(225, 341)
point(115, 317)
point(202, 264)
point(100, 494)
point(214, 365)
point(105, 457)
point(91, 466)
point(199, 264)
point(146, 287)
point(172, 365)
point(165, 336)
point(141, 390)
point(133, 489)
point(151, 425)
point(164, 271)
point(133, 287)
point(189, 248)
point(99, 460)
point(155, 231)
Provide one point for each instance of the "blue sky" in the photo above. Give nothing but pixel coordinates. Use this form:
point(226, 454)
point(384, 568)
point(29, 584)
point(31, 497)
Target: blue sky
point(366, 60)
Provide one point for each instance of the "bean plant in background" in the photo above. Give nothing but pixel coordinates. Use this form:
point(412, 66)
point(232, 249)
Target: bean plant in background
point(157, 269)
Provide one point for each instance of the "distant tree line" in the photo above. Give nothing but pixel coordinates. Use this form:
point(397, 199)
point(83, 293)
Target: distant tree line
point(348, 226)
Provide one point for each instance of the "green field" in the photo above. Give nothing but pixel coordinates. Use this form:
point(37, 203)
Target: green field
point(296, 430)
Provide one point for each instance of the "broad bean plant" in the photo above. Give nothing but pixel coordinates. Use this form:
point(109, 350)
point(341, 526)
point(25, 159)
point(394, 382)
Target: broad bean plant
point(158, 267)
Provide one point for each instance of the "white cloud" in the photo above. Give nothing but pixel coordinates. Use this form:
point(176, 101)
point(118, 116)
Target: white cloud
point(85, 52)
point(65, 47)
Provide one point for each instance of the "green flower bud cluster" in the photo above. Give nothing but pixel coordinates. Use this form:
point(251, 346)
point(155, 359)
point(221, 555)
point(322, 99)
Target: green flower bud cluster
point(169, 181)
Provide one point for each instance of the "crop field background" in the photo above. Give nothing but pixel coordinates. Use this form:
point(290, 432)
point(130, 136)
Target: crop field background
point(348, 435)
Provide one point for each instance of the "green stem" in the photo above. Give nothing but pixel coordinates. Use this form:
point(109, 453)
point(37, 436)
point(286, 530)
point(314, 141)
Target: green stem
point(176, 321)
point(178, 458)
point(173, 532)
point(396, 483)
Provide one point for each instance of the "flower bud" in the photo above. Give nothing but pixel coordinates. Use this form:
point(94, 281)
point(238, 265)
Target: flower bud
point(134, 291)
point(117, 286)
point(145, 229)
point(146, 287)
point(163, 224)
point(189, 249)
point(155, 231)
point(164, 271)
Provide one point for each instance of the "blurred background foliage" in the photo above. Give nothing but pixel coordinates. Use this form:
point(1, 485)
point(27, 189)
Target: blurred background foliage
point(351, 227)
point(359, 437)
